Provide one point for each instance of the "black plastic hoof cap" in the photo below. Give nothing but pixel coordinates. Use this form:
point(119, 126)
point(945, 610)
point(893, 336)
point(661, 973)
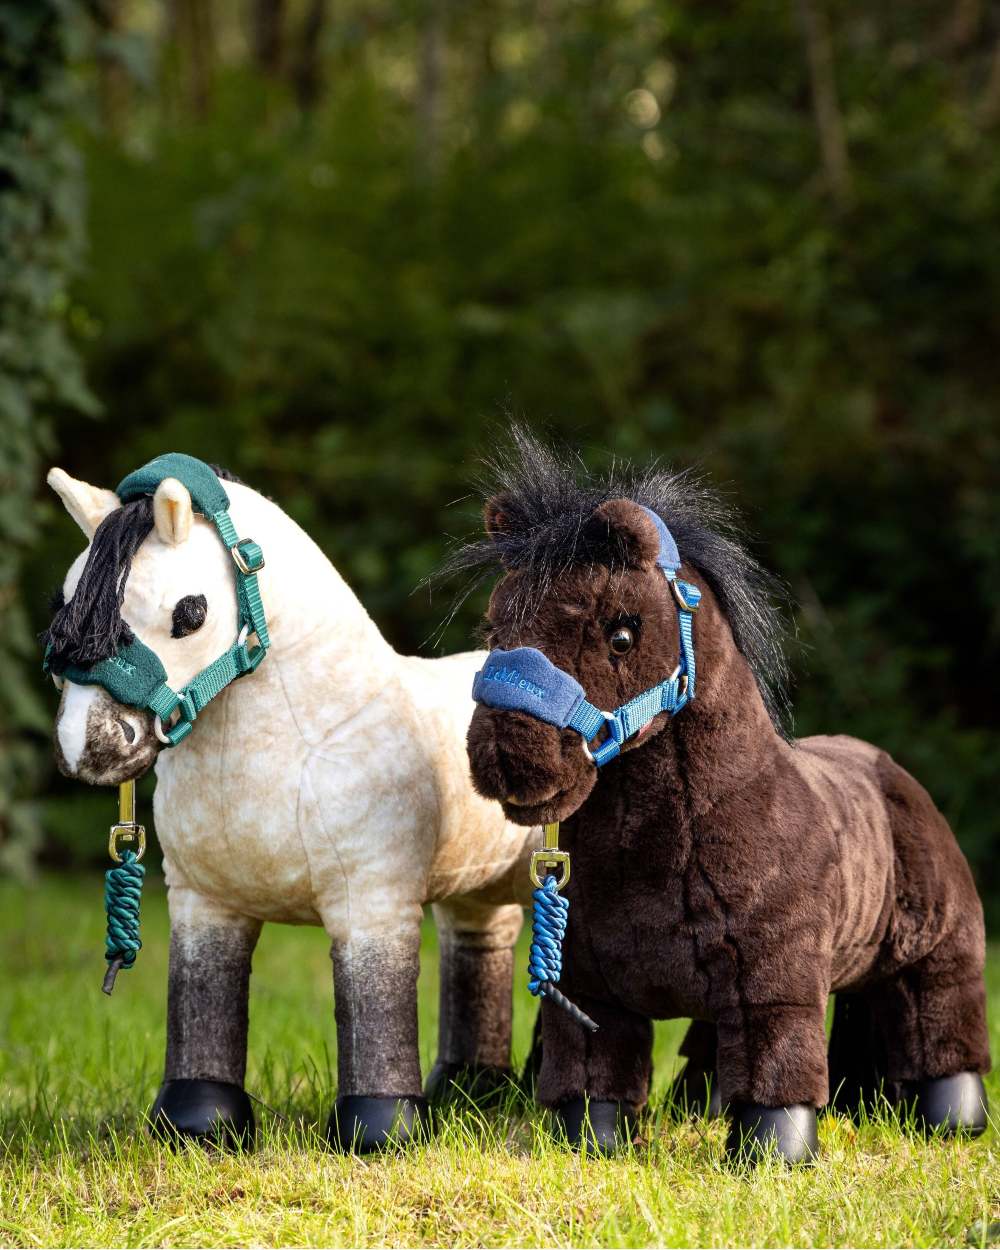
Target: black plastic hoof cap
point(464, 1084)
point(361, 1124)
point(597, 1126)
point(786, 1132)
point(951, 1104)
point(210, 1112)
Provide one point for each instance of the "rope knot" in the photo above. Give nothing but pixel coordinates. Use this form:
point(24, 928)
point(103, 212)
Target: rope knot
point(549, 915)
point(122, 896)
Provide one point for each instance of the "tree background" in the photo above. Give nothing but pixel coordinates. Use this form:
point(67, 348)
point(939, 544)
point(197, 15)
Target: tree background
point(336, 244)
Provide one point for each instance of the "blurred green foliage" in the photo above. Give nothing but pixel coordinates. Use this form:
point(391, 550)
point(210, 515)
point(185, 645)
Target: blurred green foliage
point(41, 218)
point(763, 237)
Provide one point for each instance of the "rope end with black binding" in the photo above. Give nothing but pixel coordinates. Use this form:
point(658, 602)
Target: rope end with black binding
point(571, 1009)
point(114, 967)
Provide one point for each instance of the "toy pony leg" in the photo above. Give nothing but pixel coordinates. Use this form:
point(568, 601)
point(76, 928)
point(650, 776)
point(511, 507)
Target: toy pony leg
point(596, 1082)
point(933, 1018)
point(477, 971)
point(375, 970)
point(772, 1077)
point(202, 1096)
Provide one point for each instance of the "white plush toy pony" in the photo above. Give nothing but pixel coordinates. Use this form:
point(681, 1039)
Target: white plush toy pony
point(328, 785)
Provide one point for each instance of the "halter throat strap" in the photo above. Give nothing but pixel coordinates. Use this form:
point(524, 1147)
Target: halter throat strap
point(135, 675)
point(525, 680)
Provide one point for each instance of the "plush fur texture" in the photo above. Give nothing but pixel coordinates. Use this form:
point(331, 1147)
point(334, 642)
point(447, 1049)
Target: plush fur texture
point(330, 787)
point(719, 871)
point(549, 516)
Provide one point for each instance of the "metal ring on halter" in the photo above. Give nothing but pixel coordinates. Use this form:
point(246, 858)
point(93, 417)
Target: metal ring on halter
point(57, 681)
point(608, 717)
point(158, 730)
point(244, 634)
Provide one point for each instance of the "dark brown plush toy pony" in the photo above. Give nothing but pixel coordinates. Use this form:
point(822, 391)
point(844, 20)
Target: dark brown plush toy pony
point(721, 870)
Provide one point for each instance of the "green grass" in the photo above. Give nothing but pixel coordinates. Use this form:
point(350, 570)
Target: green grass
point(78, 1069)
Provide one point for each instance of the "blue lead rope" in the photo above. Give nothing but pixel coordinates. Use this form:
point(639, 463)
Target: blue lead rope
point(548, 927)
point(122, 896)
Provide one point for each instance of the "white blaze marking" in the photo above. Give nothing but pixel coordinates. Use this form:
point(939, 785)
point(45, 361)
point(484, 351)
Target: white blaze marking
point(72, 726)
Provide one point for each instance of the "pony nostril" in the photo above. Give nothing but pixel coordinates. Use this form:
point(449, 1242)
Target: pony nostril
point(127, 729)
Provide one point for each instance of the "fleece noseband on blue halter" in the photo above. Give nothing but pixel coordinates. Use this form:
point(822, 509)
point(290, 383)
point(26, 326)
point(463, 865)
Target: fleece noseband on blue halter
point(525, 680)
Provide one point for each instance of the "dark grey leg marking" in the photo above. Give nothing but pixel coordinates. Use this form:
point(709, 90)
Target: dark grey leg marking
point(477, 972)
point(475, 1001)
point(375, 996)
point(207, 1002)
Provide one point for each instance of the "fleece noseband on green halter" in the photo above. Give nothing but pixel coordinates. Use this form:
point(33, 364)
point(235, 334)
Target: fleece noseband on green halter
point(135, 675)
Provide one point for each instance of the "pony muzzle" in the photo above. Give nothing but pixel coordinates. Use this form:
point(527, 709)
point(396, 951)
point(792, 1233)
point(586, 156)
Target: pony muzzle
point(536, 771)
point(101, 741)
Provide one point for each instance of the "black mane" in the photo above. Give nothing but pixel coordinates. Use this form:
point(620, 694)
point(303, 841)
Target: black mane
point(547, 498)
point(90, 628)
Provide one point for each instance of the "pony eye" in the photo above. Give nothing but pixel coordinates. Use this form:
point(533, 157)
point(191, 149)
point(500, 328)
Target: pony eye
point(621, 641)
point(189, 615)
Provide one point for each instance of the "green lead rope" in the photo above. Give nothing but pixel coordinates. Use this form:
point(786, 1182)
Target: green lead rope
point(123, 888)
point(122, 896)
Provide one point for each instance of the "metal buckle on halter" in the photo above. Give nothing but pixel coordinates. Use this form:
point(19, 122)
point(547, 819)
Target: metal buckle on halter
point(240, 560)
point(679, 596)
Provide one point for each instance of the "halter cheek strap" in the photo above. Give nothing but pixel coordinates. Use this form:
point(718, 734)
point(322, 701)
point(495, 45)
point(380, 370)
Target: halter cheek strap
point(135, 675)
point(525, 680)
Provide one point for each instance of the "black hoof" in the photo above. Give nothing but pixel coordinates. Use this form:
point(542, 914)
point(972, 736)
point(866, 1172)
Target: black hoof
point(597, 1126)
point(951, 1104)
point(360, 1124)
point(459, 1084)
point(210, 1112)
point(787, 1132)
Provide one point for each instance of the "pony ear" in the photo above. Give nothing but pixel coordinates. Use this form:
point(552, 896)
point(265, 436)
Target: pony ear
point(496, 514)
point(87, 505)
point(172, 512)
point(626, 529)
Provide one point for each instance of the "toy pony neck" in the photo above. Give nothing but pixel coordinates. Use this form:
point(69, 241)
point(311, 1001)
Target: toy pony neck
point(322, 639)
point(722, 742)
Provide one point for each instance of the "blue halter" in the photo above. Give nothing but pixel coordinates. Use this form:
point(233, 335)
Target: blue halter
point(525, 680)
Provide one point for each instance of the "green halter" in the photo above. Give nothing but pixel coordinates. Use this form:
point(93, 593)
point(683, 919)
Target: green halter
point(135, 675)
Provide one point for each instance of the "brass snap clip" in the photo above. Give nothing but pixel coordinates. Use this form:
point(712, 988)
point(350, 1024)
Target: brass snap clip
point(549, 856)
point(126, 829)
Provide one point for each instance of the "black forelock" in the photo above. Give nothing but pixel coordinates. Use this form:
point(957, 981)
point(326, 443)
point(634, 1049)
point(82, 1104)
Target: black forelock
point(547, 498)
point(90, 628)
